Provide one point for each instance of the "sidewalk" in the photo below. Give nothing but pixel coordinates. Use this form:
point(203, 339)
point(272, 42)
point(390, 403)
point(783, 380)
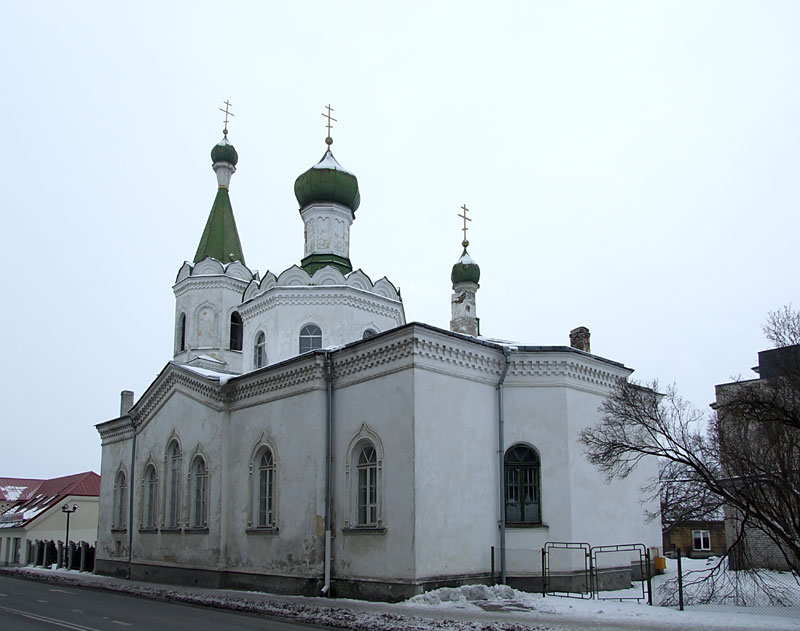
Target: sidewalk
point(475, 608)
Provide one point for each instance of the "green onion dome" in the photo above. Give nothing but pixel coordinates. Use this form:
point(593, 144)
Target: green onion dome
point(223, 151)
point(465, 270)
point(327, 181)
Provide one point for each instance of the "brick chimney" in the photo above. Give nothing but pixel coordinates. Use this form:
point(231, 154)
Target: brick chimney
point(579, 338)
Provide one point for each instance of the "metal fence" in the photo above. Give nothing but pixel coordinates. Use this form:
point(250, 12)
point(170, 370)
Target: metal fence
point(712, 584)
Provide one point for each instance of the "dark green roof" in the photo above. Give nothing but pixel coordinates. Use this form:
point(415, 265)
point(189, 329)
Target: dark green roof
point(327, 181)
point(220, 239)
point(224, 152)
point(465, 270)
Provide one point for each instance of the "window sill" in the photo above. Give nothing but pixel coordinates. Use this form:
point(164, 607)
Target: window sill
point(197, 531)
point(364, 530)
point(262, 531)
point(115, 529)
point(171, 531)
point(526, 526)
point(148, 529)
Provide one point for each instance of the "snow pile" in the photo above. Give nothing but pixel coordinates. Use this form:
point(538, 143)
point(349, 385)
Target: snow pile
point(468, 594)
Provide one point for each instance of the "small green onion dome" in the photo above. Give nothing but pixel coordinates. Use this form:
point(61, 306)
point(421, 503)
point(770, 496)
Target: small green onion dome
point(223, 151)
point(327, 181)
point(465, 270)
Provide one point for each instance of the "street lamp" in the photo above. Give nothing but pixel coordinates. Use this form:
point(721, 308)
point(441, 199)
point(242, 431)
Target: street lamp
point(66, 509)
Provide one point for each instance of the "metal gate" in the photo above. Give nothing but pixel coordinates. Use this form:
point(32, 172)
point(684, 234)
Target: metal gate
point(610, 564)
point(578, 570)
point(561, 569)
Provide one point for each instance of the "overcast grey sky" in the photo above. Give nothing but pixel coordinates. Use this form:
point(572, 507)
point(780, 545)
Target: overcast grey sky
point(629, 166)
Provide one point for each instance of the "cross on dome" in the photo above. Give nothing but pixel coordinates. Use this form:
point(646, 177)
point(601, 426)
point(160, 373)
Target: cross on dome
point(463, 216)
point(329, 139)
point(227, 114)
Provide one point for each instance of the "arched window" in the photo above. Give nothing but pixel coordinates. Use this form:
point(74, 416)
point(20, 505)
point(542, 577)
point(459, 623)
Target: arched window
point(119, 517)
point(523, 497)
point(260, 350)
point(368, 334)
point(367, 486)
point(150, 497)
point(237, 329)
point(310, 338)
point(173, 485)
point(180, 334)
point(199, 493)
point(264, 490)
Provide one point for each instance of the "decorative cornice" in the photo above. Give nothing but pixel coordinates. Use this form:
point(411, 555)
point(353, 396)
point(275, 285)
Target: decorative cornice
point(278, 378)
point(191, 283)
point(316, 295)
point(567, 366)
point(173, 378)
point(115, 430)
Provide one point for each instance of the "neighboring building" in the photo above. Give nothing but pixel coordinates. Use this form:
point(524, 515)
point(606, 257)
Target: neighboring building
point(39, 516)
point(756, 549)
point(15, 491)
point(306, 439)
point(696, 539)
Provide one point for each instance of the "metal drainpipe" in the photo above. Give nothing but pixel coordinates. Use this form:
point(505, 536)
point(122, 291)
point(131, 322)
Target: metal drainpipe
point(130, 498)
point(501, 462)
point(328, 469)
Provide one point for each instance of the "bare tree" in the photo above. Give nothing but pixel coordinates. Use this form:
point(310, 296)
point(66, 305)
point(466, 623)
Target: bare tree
point(746, 455)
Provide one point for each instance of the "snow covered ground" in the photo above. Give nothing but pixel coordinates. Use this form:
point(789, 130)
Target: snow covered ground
point(472, 608)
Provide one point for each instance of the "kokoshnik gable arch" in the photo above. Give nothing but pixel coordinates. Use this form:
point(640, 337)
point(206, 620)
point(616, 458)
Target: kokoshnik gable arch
point(306, 439)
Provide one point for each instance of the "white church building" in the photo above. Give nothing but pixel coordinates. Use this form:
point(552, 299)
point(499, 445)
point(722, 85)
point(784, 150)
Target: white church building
point(306, 439)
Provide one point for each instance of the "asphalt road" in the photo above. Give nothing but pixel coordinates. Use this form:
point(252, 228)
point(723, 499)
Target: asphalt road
point(34, 606)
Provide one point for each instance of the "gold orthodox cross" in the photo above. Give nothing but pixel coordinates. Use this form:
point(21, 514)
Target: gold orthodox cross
point(329, 139)
point(227, 113)
point(465, 243)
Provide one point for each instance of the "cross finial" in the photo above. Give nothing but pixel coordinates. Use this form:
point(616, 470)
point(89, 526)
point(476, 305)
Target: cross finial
point(329, 139)
point(463, 215)
point(227, 114)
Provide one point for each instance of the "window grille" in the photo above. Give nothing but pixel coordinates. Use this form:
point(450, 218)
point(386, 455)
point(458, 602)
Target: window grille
point(368, 487)
point(522, 485)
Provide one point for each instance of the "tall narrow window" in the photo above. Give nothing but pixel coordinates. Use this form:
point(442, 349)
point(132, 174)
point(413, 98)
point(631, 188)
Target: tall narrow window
point(367, 487)
point(180, 334)
point(199, 493)
point(237, 329)
point(260, 350)
point(173, 484)
point(310, 338)
point(120, 501)
point(150, 497)
point(265, 493)
point(522, 485)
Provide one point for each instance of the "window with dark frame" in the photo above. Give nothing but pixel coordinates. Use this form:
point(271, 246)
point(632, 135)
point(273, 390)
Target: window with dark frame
point(522, 474)
point(120, 496)
point(182, 332)
point(237, 331)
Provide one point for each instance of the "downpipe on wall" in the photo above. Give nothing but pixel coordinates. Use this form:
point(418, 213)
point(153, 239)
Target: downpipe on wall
point(328, 468)
point(501, 461)
point(130, 499)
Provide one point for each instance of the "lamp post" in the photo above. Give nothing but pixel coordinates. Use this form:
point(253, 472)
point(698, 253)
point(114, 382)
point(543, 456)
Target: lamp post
point(66, 509)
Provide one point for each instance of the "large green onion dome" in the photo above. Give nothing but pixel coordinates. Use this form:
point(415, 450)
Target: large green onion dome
point(223, 151)
point(327, 181)
point(465, 270)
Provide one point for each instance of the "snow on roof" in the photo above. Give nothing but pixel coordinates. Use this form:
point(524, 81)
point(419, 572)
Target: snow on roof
point(50, 493)
point(16, 489)
point(329, 162)
point(222, 377)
